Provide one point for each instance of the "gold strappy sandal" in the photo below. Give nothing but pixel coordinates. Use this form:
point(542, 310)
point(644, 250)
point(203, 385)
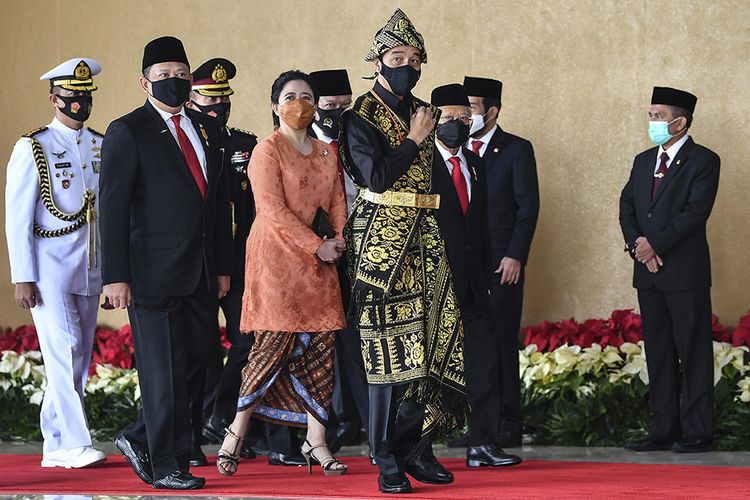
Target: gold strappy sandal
point(228, 461)
point(330, 466)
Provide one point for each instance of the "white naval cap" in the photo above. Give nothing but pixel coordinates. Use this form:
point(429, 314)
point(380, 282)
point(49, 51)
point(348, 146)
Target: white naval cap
point(74, 74)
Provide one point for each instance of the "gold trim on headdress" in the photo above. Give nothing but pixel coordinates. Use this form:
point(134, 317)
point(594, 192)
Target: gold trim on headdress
point(398, 31)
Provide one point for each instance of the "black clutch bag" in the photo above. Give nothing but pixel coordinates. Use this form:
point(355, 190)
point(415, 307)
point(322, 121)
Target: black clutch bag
point(321, 224)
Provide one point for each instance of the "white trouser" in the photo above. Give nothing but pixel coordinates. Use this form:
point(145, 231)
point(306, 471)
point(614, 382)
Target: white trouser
point(65, 324)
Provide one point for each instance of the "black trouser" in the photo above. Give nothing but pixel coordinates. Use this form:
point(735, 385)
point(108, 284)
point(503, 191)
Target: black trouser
point(394, 428)
point(506, 305)
point(677, 332)
point(350, 393)
point(481, 369)
point(281, 439)
point(173, 337)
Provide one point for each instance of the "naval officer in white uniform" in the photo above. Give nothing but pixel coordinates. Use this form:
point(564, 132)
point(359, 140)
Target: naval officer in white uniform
point(50, 224)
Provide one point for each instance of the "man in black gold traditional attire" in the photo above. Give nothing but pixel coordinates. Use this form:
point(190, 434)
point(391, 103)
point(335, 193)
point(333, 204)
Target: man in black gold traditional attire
point(403, 301)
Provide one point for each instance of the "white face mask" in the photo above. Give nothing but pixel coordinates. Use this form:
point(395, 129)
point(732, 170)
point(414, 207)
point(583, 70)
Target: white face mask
point(477, 124)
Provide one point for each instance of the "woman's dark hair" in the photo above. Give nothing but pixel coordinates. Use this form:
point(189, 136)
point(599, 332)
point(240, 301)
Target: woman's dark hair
point(280, 83)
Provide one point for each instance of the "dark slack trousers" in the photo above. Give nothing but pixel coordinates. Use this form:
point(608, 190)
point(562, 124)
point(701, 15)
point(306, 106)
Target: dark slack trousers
point(350, 401)
point(677, 335)
point(394, 428)
point(173, 339)
point(506, 306)
point(222, 393)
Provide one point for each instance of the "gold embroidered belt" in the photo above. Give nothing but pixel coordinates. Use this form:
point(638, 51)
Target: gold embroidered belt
point(402, 199)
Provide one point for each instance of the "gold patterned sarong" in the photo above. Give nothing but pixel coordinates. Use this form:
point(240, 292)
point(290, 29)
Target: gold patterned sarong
point(403, 300)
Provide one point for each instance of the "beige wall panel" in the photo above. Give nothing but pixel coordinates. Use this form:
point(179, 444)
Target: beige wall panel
point(577, 75)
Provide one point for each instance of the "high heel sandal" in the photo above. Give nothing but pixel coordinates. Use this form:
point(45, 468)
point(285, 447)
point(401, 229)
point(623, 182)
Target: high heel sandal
point(330, 466)
point(227, 459)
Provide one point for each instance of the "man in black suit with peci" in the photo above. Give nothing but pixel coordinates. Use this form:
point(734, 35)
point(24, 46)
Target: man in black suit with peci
point(664, 208)
point(166, 255)
point(513, 200)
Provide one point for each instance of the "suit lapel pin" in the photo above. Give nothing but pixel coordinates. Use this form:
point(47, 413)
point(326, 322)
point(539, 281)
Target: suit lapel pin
point(325, 152)
point(678, 162)
point(65, 183)
point(203, 133)
point(496, 150)
point(165, 130)
point(473, 173)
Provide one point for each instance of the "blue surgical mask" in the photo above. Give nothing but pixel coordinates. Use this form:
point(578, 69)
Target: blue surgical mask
point(658, 132)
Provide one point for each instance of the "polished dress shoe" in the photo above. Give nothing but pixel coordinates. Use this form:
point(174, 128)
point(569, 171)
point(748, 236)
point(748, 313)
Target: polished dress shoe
point(213, 431)
point(291, 459)
point(693, 445)
point(258, 444)
point(489, 455)
point(179, 480)
point(651, 443)
point(197, 458)
point(428, 470)
point(136, 457)
point(394, 483)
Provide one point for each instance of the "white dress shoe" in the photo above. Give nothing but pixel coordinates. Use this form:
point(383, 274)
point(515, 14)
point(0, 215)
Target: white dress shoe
point(74, 458)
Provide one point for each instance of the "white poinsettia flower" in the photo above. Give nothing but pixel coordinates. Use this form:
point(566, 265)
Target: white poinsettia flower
point(5, 384)
point(585, 390)
point(630, 350)
point(33, 356)
point(619, 376)
point(137, 394)
point(637, 367)
point(723, 356)
point(36, 397)
point(611, 356)
point(105, 371)
point(743, 387)
point(565, 358)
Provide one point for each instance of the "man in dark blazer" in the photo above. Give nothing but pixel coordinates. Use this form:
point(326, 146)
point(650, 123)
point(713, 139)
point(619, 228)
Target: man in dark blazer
point(513, 200)
point(664, 208)
point(166, 256)
point(458, 176)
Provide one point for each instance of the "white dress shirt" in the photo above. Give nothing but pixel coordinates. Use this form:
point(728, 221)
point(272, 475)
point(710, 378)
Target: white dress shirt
point(187, 126)
point(485, 140)
point(671, 152)
point(462, 161)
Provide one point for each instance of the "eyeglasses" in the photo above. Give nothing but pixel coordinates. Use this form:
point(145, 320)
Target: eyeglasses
point(466, 120)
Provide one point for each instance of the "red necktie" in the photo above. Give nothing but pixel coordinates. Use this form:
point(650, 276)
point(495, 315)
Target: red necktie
point(459, 181)
point(190, 157)
point(476, 146)
point(335, 146)
point(660, 173)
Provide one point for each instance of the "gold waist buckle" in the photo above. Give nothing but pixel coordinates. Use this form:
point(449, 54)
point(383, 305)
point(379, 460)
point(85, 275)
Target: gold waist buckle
point(402, 199)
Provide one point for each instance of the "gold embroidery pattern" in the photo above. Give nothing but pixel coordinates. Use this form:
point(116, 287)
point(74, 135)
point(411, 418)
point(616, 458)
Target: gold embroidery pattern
point(405, 304)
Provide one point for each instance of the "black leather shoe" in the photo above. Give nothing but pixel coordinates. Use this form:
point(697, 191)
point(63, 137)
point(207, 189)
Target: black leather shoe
point(428, 470)
point(292, 459)
point(136, 457)
point(247, 452)
point(179, 480)
point(259, 445)
point(489, 455)
point(694, 445)
point(372, 458)
point(197, 458)
point(213, 431)
point(509, 440)
point(651, 443)
point(394, 483)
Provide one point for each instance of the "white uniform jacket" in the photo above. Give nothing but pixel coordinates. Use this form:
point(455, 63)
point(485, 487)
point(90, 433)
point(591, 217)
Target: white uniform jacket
point(42, 244)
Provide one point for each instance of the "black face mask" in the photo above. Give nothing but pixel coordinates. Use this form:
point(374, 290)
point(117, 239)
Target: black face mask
point(221, 110)
point(329, 121)
point(453, 133)
point(401, 79)
point(78, 107)
point(173, 92)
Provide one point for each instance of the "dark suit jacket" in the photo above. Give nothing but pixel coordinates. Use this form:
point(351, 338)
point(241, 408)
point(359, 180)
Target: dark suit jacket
point(240, 145)
point(157, 232)
point(513, 191)
point(467, 241)
point(674, 222)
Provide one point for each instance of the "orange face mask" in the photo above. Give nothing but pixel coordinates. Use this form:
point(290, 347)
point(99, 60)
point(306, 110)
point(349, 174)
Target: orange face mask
point(298, 114)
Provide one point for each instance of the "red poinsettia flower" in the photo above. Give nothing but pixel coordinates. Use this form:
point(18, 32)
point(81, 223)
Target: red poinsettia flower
point(741, 334)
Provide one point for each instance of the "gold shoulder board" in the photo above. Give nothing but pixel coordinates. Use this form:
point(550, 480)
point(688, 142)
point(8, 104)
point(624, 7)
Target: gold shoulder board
point(35, 132)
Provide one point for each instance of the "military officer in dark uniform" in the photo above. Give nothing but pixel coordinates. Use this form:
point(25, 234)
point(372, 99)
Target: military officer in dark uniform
point(210, 94)
point(664, 208)
point(513, 201)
